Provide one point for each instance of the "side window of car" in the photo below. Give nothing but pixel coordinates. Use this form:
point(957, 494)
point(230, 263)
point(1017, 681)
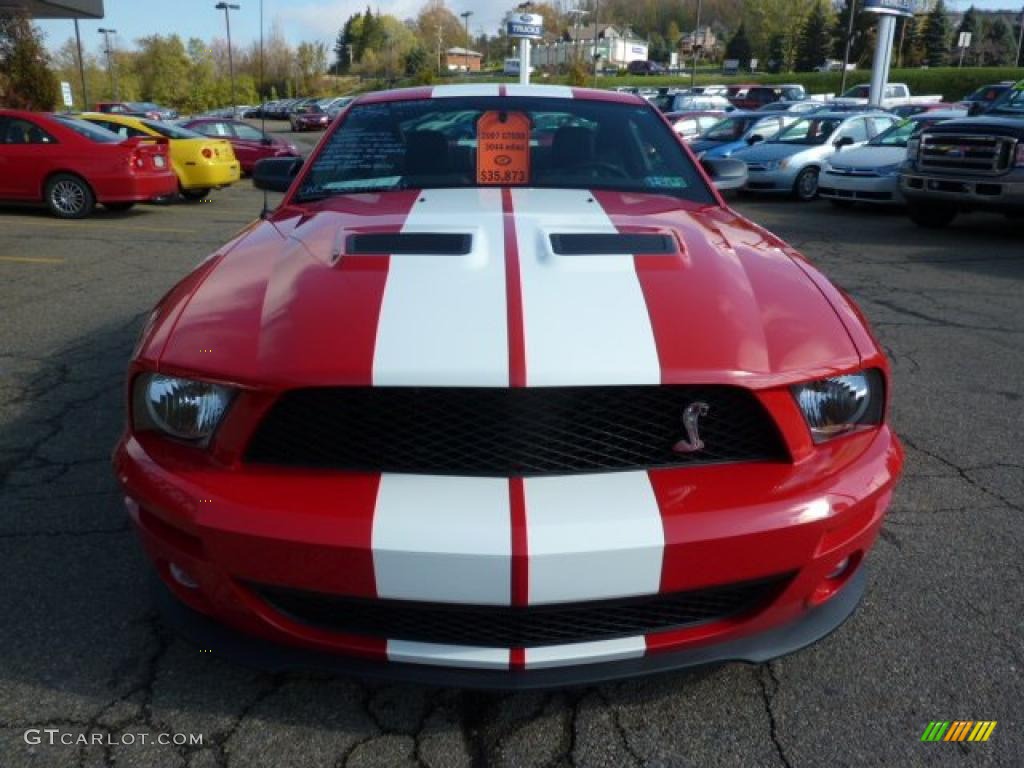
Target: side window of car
point(246, 132)
point(879, 125)
point(24, 132)
point(217, 129)
point(687, 127)
point(856, 130)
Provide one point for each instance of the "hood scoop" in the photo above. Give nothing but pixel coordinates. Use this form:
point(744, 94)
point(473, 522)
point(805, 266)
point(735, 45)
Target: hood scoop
point(409, 244)
point(612, 244)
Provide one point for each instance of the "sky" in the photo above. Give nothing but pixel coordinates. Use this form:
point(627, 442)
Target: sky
point(310, 20)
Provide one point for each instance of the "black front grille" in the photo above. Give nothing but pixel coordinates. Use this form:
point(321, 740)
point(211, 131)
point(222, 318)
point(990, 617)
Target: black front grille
point(521, 627)
point(987, 155)
point(510, 432)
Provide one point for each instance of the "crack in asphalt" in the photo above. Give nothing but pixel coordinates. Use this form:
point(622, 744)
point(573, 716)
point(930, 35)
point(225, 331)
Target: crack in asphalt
point(766, 674)
point(620, 729)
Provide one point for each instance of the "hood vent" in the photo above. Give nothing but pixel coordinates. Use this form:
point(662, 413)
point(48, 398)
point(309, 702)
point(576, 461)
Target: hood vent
point(611, 244)
point(409, 244)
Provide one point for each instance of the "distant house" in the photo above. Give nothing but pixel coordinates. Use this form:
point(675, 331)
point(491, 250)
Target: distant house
point(462, 60)
point(617, 46)
point(703, 39)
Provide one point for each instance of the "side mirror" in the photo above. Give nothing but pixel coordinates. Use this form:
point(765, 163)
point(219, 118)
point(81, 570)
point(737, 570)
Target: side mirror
point(267, 141)
point(275, 174)
point(976, 108)
point(757, 138)
point(726, 173)
point(846, 141)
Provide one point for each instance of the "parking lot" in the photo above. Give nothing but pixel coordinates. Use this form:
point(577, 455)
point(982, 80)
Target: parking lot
point(938, 637)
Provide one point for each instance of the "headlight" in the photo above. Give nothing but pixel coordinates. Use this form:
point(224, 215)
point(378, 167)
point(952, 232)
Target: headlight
point(841, 404)
point(912, 147)
point(182, 408)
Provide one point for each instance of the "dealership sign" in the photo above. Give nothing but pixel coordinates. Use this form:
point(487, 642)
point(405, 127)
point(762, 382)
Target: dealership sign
point(529, 26)
point(894, 7)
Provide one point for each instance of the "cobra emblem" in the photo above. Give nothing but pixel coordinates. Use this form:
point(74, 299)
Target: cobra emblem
point(691, 423)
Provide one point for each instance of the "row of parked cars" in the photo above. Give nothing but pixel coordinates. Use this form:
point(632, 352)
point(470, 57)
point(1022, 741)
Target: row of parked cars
point(74, 162)
point(309, 113)
point(937, 159)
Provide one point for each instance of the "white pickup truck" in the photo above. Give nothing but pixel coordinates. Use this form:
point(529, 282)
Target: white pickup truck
point(894, 95)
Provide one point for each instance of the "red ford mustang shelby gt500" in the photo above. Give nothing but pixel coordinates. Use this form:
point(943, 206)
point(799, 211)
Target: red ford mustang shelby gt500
point(504, 394)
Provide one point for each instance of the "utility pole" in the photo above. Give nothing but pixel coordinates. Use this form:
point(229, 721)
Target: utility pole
point(440, 43)
point(110, 61)
point(1020, 40)
point(577, 14)
point(696, 31)
point(465, 18)
point(81, 67)
point(849, 43)
point(226, 7)
point(597, 37)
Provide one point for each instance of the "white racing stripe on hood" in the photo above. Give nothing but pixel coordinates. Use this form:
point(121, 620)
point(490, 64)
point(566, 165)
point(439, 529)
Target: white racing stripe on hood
point(443, 320)
point(585, 317)
point(540, 91)
point(443, 539)
point(464, 89)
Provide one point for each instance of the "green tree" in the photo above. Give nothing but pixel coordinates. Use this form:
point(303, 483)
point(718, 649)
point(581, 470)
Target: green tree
point(814, 42)
point(862, 25)
point(26, 80)
point(163, 69)
point(998, 46)
point(739, 48)
point(777, 53)
point(936, 36)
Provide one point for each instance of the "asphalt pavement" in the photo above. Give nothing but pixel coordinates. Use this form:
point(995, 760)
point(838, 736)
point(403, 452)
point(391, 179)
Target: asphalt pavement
point(938, 637)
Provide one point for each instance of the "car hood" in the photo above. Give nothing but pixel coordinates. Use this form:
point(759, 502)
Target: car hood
point(768, 151)
point(869, 157)
point(719, 148)
point(291, 304)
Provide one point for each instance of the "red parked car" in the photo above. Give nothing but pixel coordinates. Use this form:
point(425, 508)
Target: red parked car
point(250, 144)
point(71, 165)
point(472, 409)
point(309, 118)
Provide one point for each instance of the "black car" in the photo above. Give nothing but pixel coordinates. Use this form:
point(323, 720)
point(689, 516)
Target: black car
point(645, 67)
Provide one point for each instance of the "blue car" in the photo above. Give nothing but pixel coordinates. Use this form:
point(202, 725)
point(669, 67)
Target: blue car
point(738, 131)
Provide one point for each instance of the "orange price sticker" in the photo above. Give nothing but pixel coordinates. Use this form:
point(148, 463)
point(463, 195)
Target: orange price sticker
point(503, 148)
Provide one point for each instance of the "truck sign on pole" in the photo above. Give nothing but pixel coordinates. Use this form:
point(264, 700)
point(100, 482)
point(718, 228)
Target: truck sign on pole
point(524, 27)
point(963, 44)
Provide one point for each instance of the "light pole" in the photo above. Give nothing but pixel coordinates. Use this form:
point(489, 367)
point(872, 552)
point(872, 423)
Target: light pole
point(1020, 40)
point(849, 43)
point(465, 18)
point(696, 31)
point(597, 35)
point(577, 14)
point(226, 7)
point(110, 61)
point(81, 67)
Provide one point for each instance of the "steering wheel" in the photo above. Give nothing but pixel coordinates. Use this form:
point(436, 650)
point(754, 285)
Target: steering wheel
point(601, 165)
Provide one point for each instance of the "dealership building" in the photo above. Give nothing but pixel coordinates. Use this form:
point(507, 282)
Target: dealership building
point(617, 46)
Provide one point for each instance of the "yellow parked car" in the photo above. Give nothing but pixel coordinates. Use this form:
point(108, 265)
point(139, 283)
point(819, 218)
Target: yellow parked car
point(201, 163)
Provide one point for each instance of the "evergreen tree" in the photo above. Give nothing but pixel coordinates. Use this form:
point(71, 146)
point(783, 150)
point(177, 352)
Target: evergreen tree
point(862, 24)
point(777, 53)
point(738, 47)
point(936, 36)
point(27, 81)
point(998, 45)
point(814, 42)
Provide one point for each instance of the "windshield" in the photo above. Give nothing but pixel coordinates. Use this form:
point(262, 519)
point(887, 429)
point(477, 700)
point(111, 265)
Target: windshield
point(171, 131)
point(143, 106)
point(1012, 103)
point(900, 133)
point(809, 130)
point(89, 131)
point(729, 129)
point(502, 141)
point(857, 92)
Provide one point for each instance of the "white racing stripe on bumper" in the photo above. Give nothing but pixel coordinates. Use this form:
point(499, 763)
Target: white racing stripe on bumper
point(585, 318)
point(598, 652)
point(593, 537)
point(448, 655)
point(443, 320)
point(443, 539)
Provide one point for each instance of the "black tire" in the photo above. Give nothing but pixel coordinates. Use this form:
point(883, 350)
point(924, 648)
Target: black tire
point(119, 206)
point(841, 203)
point(932, 215)
point(69, 196)
point(195, 194)
point(805, 188)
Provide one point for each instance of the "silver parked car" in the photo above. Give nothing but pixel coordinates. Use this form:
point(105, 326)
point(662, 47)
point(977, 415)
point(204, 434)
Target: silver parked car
point(871, 174)
point(791, 163)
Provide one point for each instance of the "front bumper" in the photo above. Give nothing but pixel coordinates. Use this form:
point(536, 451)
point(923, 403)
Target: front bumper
point(881, 190)
point(984, 192)
point(779, 180)
point(230, 528)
